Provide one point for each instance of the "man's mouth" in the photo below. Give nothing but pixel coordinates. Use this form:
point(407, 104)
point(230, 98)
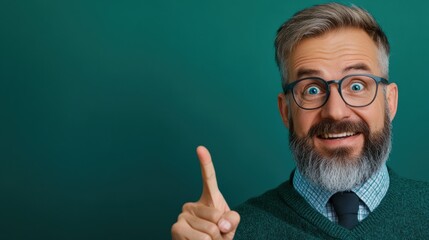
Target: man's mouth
point(337, 135)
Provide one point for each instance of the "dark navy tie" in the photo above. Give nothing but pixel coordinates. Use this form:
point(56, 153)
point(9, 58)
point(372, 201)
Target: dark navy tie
point(346, 205)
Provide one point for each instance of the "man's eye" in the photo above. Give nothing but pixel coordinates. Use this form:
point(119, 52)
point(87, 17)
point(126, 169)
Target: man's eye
point(312, 90)
point(356, 87)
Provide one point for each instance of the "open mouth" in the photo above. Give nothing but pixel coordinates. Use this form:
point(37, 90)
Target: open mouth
point(337, 135)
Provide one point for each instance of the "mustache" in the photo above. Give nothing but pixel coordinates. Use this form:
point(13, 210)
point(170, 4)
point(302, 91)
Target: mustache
point(331, 126)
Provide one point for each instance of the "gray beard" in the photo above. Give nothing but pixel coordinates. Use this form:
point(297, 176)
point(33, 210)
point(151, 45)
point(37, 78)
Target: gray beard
point(340, 171)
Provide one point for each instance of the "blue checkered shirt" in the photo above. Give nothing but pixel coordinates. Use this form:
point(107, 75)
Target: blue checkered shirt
point(370, 193)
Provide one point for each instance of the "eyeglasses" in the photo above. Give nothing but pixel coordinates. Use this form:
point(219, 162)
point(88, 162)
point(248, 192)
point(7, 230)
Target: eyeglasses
point(356, 90)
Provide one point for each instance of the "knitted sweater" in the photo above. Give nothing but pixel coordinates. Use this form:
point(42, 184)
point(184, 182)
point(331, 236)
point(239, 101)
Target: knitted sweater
point(282, 213)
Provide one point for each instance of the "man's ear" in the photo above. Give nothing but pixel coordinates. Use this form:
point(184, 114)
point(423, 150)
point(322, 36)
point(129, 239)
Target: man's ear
point(392, 99)
point(283, 108)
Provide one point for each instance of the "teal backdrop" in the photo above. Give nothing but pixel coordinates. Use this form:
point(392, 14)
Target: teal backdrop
point(103, 103)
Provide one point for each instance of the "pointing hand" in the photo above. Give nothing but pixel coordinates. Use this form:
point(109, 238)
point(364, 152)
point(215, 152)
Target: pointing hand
point(210, 217)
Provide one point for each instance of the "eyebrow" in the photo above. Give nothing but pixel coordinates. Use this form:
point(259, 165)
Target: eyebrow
point(308, 72)
point(357, 66)
point(303, 72)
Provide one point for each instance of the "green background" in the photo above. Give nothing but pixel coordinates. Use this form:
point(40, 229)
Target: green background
point(104, 102)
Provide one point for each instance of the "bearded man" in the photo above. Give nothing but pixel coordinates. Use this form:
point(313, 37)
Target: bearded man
point(338, 105)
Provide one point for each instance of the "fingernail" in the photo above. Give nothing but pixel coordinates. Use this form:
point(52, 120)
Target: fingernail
point(224, 225)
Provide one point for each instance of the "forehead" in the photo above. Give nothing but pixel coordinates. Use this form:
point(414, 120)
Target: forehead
point(334, 54)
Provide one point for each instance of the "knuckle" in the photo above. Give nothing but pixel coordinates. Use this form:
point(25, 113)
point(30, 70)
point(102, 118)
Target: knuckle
point(212, 230)
point(187, 206)
point(176, 228)
point(206, 237)
point(183, 216)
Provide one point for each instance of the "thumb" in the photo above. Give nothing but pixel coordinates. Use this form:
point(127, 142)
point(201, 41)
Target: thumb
point(211, 195)
point(228, 223)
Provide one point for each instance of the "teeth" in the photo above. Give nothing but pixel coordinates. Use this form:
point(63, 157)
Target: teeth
point(338, 135)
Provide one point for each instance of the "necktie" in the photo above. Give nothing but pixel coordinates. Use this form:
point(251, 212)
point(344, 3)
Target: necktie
point(346, 205)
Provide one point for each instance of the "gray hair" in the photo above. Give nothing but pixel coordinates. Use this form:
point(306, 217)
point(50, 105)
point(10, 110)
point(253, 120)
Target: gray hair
point(320, 19)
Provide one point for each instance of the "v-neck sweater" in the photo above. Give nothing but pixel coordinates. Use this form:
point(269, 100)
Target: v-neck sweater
point(282, 213)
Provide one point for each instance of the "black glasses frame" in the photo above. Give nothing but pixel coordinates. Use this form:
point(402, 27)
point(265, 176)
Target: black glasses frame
point(290, 86)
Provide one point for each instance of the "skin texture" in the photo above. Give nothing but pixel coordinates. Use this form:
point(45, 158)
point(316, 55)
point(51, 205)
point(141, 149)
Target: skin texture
point(210, 217)
point(333, 56)
point(330, 56)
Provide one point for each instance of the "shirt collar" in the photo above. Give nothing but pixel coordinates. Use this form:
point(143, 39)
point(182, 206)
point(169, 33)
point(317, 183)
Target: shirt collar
point(371, 192)
point(374, 189)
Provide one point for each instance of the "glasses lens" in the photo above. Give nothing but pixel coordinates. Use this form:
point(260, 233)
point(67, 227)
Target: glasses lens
point(310, 93)
point(358, 90)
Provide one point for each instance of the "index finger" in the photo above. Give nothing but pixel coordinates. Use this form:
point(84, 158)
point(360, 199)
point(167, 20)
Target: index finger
point(210, 187)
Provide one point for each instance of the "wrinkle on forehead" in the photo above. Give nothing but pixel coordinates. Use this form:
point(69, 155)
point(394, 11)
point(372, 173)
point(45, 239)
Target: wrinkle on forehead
point(334, 52)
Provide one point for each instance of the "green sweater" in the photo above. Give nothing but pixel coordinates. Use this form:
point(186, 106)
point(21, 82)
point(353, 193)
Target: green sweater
point(282, 213)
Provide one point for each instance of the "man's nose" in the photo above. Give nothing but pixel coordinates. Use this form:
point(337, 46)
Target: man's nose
point(335, 108)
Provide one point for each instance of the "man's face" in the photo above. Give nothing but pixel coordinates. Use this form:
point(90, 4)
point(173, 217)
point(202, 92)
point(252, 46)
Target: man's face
point(332, 56)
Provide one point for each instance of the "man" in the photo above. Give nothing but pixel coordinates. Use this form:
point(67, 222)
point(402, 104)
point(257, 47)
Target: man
point(338, 106)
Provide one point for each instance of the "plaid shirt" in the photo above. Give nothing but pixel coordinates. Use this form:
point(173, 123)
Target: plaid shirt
point(370, 193)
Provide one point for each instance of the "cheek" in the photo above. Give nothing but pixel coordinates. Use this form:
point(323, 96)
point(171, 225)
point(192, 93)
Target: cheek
point(374, 117)
point(302, 123)
point(376, 122)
